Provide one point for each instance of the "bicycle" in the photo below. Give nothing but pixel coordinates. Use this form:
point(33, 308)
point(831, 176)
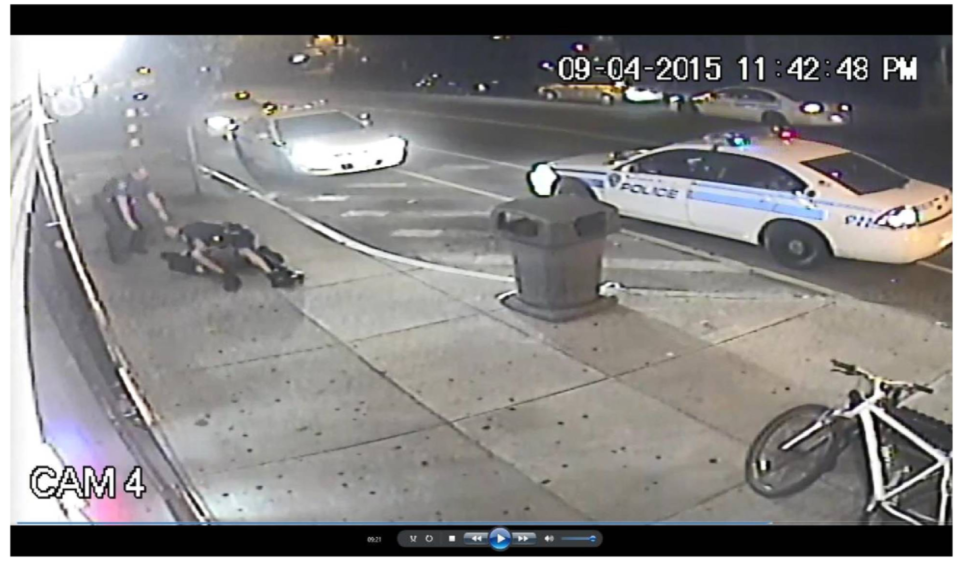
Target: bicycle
point(908, 459)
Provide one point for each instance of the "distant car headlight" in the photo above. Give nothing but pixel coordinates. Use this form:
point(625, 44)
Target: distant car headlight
point(836, 118)
point(845, 107)
point(901, 217)
point(543, 179)
point(298, 58)
point(811, 108)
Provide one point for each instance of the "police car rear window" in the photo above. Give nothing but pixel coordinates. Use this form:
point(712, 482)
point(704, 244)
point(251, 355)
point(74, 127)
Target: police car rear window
point(859, 174)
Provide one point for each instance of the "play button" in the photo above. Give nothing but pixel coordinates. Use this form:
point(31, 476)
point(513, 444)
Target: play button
point(499, 539)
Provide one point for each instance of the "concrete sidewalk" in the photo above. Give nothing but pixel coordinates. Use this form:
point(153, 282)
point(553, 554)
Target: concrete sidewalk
point(382, 392)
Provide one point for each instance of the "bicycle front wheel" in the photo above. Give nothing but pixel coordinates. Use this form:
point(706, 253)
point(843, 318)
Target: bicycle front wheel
point(772, 471)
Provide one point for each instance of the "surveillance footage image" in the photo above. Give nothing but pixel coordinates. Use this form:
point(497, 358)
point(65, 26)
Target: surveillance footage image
point(486, 293)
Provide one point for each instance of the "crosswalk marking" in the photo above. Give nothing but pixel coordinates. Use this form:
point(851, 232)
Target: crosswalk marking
point(417, 233)
point(364, 214)
point(327, 198)
point(377, 185)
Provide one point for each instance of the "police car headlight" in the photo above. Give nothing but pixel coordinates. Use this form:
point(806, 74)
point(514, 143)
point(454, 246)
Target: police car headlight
point(543, 179)
point(811, 108)
point(901, 217)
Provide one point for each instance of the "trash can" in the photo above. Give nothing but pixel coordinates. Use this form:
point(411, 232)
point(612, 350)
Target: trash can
point(558, 248)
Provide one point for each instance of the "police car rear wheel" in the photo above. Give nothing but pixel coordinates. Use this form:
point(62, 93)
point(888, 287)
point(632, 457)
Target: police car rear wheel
point(606, 100)
point(795, 246)
point(549, 95)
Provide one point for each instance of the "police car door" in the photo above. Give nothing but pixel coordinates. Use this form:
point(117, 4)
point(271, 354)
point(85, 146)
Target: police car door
point(654, 186)
point(739, 194)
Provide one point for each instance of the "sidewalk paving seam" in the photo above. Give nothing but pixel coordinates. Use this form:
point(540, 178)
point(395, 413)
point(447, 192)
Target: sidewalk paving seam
point(243, 362)
point(444, 421)
point(439, 425)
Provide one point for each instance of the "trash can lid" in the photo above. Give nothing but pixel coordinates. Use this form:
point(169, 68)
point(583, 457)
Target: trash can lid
point(558, 209)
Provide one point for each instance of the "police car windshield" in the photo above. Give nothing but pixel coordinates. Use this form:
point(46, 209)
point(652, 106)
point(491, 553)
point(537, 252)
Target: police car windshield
point(304, 127)
point(858, 173)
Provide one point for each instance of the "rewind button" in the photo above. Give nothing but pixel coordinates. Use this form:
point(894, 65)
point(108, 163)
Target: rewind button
point(476, 538)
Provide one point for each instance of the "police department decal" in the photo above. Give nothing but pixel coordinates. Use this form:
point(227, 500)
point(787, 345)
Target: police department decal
point(658, 191)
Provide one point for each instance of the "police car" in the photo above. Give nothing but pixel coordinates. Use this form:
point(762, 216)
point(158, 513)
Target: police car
point(802, 200)
point(769, 107)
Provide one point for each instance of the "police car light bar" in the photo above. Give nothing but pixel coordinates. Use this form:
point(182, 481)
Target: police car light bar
point(731, 139)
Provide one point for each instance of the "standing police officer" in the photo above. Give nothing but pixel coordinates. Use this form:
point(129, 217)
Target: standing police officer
point(125, 205)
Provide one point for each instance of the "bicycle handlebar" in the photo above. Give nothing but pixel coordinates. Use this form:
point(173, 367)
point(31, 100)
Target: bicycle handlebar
point(851, 369)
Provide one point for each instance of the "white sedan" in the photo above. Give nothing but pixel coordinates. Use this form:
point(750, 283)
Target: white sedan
point(769, 107)
point(326, 142)
point(804, 201)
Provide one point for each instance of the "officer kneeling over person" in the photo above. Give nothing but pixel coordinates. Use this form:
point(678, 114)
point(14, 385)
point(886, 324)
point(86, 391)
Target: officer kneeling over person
point(220, 248)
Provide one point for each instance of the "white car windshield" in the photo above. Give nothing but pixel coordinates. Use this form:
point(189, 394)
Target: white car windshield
point(304, 127)
point(858, 173)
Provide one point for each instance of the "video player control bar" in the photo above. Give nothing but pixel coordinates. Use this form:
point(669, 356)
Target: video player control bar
point(499, 539)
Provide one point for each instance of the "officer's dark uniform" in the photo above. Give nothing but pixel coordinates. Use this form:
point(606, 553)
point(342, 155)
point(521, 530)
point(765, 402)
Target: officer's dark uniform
point(121, 240)
point(222, 243)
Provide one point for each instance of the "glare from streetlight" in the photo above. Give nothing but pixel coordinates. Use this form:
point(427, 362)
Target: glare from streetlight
point(61, 59)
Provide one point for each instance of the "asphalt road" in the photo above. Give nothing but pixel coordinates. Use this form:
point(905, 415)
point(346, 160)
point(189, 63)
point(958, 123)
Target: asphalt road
point(468, 154)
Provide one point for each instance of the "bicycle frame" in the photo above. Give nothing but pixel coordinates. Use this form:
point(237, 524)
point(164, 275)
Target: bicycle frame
point(868, 412)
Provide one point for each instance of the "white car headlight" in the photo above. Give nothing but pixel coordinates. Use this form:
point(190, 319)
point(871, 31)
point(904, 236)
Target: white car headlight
point(542, 180)
point(393, 143)
point(811, 108)
point(219, 123)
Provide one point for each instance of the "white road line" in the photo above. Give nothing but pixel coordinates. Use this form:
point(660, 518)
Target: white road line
point(416, 213)
point(326, 198)
point(364, 214)
point(935, 267)
point(417, 233)
point(474, 157)
point(503, 260)
point(457, 186)
point(454, 167)
point(579, 133)
point(377, 185)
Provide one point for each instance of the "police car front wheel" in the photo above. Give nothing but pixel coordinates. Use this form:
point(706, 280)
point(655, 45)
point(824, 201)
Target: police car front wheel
point(795, 245)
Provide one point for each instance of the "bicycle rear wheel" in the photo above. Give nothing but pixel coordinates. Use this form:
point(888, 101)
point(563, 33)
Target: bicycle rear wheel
point(773, 472)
